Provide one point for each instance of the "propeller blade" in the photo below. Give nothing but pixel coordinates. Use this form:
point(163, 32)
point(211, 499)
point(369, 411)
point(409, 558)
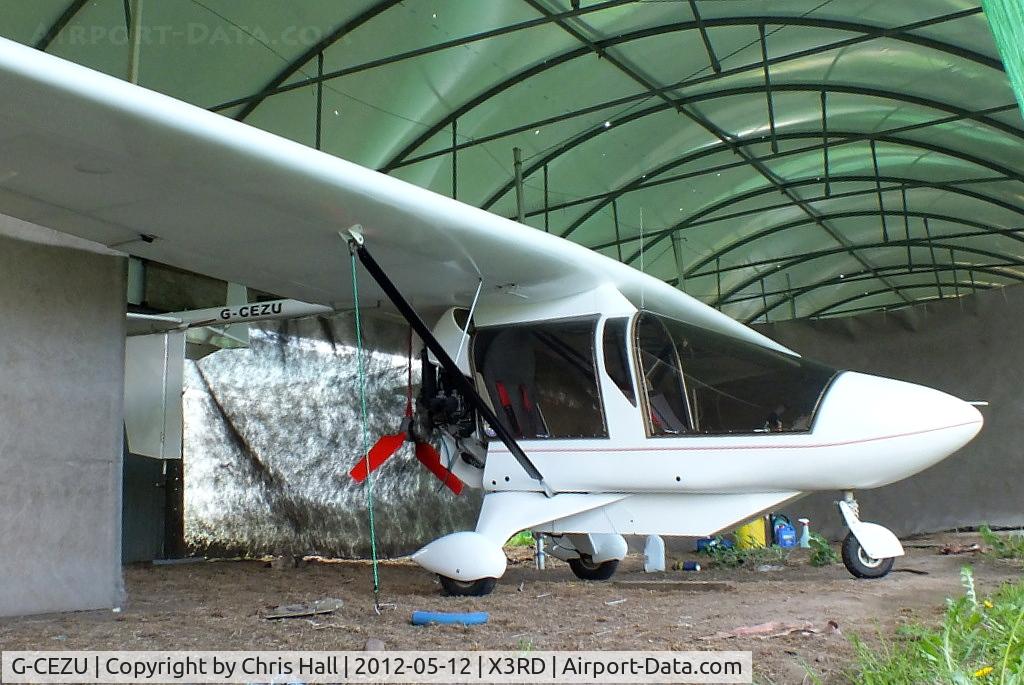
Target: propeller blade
point(429, 457)
point(378, 454)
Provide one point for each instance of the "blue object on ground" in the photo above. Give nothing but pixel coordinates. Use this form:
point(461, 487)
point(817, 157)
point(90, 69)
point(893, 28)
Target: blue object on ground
point(704, 544)
point(783, 532)
point(465, 618)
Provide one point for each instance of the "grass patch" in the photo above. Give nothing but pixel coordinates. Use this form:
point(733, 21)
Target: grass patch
point(979, 641)
point(1002, 546)
point(523, 538)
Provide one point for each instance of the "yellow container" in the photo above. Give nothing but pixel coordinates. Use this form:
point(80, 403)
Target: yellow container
point(752, 535)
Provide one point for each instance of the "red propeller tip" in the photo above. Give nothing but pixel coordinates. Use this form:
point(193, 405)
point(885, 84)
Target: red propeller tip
point(379, 453)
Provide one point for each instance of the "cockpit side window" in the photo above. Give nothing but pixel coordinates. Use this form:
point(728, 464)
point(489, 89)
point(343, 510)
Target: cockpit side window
point(741, 387)
point(616, 356)
point(667, 410)
point(542, 378)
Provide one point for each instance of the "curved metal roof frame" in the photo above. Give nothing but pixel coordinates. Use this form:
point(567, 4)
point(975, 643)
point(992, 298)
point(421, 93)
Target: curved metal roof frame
point(902, 183)
point(846, 137)
point(788, 261)
point(863, 276)
point(868, 33)
point(904, 212)
point(657, 237)
point(797, 223)
point(978, 136)
point(913, 242)
point(63, 20)
point(847, 300)
point(831, 282)
point(567, 147)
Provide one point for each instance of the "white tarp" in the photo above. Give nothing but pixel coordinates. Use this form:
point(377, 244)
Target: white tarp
point(152, 394)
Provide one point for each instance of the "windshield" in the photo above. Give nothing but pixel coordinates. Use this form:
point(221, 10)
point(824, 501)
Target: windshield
point(701, 382)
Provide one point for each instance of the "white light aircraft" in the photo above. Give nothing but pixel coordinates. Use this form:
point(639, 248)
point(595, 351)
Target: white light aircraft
point(588, 400)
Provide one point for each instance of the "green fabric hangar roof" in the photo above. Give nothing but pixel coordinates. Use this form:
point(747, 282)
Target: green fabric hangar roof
point(790, 159)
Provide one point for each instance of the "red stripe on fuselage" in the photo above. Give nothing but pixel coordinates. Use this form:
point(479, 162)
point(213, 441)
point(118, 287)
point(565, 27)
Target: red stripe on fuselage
point(710, 448)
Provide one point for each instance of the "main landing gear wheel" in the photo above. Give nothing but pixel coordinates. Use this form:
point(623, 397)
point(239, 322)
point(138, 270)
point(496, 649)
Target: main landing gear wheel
point(860, 564)
point(467, 588)
point(586, 568)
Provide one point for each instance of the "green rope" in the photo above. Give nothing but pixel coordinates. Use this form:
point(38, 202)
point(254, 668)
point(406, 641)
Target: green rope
point(365, 436)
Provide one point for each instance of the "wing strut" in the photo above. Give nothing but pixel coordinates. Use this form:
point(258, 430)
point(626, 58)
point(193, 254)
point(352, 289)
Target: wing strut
point(356, 245)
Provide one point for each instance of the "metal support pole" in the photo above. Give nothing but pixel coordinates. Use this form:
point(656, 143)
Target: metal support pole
point(718, 278)
point(517, 159)
point(677, 250)
point(768, 88)
point(716, 66)
point(615, 219)
point(547, 226)
point(906, 227)
point(455, 161)
point(764, 301)
point(878, 188)
point(824, 140)
point(931, 248)
point(792, 296)
point(319, 102)
point(135, 41)
point(952, 263)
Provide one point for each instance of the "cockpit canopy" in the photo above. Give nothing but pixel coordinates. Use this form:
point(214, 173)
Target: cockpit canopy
point(543, 378)
point(697, 381)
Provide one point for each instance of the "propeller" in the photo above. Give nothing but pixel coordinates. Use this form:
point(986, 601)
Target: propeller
point(425, 453)
point(387, 445)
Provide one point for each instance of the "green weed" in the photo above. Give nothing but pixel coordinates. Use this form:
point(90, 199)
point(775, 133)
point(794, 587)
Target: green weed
point(1002, 546)
point(734, 557)
point(524, 645)
point(978, 642)
point(822, 553)
point(523, 538)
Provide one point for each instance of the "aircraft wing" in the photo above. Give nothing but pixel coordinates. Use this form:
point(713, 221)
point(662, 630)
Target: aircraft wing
point(99, 158)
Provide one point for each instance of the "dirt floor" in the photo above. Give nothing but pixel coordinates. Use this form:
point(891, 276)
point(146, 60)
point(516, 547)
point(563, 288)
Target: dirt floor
point(220, 605)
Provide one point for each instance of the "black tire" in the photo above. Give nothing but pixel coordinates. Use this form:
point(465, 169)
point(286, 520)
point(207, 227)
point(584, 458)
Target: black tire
point(467, 588)
point(585, 568)
point(859, 564)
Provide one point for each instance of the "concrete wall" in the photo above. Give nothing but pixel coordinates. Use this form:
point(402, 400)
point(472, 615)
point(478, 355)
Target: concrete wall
point(61, 385)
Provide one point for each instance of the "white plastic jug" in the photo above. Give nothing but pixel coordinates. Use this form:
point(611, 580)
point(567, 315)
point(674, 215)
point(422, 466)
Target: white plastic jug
point(654, 554)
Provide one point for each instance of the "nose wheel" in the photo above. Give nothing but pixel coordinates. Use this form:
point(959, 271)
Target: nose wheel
point(467, 588)
point(869, 550)
point(860, 563)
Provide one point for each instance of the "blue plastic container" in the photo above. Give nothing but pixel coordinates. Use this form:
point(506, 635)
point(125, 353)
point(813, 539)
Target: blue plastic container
point(783, 532)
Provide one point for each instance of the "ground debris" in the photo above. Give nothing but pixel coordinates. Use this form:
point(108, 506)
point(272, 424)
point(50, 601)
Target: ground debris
point(284, 563)
point(775, 629)
point(677, 585)
point(321, 606)
point(954, 548)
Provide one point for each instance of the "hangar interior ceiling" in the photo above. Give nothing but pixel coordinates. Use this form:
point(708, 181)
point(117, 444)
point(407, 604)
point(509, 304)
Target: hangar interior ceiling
point(777, 160)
